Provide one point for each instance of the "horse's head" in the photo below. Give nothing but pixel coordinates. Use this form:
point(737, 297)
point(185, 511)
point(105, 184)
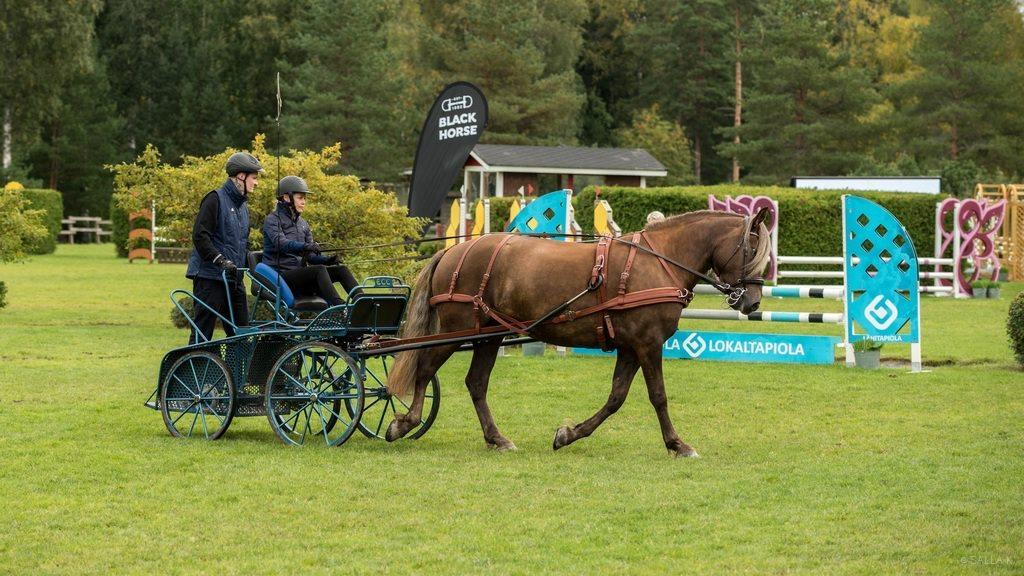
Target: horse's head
point(739, 259)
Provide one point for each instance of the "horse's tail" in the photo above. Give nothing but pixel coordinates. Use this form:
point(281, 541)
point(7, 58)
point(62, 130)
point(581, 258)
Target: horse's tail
point(417, 323)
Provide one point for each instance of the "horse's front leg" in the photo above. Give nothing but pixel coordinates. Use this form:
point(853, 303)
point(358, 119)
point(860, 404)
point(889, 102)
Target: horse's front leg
point(477, 380)
point(651, 363)
point(652, 374)
point(626, 365)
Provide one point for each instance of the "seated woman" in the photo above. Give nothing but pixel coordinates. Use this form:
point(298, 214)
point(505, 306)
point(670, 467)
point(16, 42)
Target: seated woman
point(287, 237)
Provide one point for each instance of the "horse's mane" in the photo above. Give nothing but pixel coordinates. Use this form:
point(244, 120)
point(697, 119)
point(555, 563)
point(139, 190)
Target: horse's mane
point(762, 252)
point(686, 217)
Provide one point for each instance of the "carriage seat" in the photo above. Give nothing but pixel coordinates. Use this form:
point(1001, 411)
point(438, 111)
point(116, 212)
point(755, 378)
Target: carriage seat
point(268, 276)
point(377, 307)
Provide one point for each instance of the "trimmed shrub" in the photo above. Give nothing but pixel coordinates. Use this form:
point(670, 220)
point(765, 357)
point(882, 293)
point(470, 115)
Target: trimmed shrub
point(499, 213)
point(3, 294)
point(52, 205)
point(21, 227)
point(811, 220)
point(119, 228)
point(1015, 327)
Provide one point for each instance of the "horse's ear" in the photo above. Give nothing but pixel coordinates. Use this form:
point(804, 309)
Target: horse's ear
point(760, 217)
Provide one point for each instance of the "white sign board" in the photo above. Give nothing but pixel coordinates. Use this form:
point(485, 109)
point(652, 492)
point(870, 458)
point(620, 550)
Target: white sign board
point(919, 185)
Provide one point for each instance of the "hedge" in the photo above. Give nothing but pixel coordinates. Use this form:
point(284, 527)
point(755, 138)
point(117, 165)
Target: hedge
point(810, 220)
point(1015, 327)
point(52, 205)
point(3, 294)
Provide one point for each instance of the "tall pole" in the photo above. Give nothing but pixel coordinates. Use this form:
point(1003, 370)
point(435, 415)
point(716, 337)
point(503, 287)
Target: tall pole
point(277, 120)
point(737, 118)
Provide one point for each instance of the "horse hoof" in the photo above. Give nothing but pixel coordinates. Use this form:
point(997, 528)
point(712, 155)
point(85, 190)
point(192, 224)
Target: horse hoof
point(392, 432)
point(561, 438)
point(684, 453)
point(506, 446)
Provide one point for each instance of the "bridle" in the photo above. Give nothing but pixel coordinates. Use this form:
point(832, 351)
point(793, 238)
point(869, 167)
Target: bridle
point(733, 293)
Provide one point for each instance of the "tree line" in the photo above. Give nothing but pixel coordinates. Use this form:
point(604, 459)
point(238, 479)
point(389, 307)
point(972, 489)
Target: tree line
point(718, 90)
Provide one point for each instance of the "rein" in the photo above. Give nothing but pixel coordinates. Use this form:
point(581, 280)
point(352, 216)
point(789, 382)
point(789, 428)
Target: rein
point(732, 293)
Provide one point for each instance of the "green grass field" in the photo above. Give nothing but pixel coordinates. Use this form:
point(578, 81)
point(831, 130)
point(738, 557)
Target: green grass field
point(804, 469)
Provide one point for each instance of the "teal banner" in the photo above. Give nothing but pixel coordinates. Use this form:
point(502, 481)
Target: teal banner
point(744, 347)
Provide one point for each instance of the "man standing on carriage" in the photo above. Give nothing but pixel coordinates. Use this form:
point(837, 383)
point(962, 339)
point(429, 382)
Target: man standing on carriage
point(220, 240)
point(289, 248)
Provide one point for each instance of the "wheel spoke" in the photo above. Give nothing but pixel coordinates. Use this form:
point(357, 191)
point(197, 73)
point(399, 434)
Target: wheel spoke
point(323, 424)
point(306, 429)
point(183, 412)
point(214, 412)
point(191, 391)
point(205, 370)
point(195, 377)
point(376, 379)
point(383, 413)
point(406, 406)
point(294, 417)
point(292, 378)
point(333, 413)
point(206, 431)
point(192, 427)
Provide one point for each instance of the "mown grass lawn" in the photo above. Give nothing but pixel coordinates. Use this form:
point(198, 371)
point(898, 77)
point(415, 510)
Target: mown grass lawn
point(804, 469)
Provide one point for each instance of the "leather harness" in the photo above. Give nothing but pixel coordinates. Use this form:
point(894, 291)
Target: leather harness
point(623, 300)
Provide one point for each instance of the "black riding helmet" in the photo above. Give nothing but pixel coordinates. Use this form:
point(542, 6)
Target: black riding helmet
point(290, 185)
point(240, 162)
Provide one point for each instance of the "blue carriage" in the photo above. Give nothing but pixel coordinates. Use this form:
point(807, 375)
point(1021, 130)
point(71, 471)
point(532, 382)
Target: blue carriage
point(316, 372)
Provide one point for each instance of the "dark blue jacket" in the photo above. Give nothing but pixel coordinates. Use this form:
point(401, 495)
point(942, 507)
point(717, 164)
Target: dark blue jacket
point(285, 234)
point(222, 227)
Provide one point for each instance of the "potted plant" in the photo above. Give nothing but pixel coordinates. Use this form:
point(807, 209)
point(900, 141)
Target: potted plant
point(993, 289)
point(867, 354)
point(533, 349)
point(979, 289)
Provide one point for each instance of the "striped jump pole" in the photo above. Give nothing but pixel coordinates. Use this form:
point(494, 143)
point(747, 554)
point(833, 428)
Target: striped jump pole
point(808, 291)
point(792, 317)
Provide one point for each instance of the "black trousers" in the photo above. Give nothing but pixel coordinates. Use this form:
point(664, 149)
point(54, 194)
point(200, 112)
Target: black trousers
point(213, 293)
point(318, 280)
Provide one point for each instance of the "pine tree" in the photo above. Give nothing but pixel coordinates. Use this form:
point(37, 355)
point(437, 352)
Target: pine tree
point(521, 54)
point(609, 70)
point(82, 136)
point(686, 62)
point(41, 45)
point(348, 86)
point(803, 112)
point(195, 78)
point(965, 104)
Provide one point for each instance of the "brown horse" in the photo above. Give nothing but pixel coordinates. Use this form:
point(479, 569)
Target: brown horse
point(523, 278)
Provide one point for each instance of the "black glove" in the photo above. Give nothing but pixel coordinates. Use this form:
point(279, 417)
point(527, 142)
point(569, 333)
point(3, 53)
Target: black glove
point(225, 264)
point(312, 248)
point(331, 260)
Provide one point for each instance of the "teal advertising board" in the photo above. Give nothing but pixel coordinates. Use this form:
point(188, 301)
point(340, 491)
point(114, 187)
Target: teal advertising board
point(744, 347)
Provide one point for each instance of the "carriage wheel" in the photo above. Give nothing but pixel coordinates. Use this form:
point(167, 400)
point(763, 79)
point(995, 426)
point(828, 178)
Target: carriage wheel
point(197, 398)
point(305, 391)
point(381, 407)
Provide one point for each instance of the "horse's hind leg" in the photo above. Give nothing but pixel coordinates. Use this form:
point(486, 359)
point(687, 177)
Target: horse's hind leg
point(626, 366)
point(428, 362)
point(477, 379)
point(656, 391)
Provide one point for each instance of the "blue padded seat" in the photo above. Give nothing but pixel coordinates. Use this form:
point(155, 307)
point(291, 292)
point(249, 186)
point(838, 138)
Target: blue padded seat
point(274, 280)
point(269, 277)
